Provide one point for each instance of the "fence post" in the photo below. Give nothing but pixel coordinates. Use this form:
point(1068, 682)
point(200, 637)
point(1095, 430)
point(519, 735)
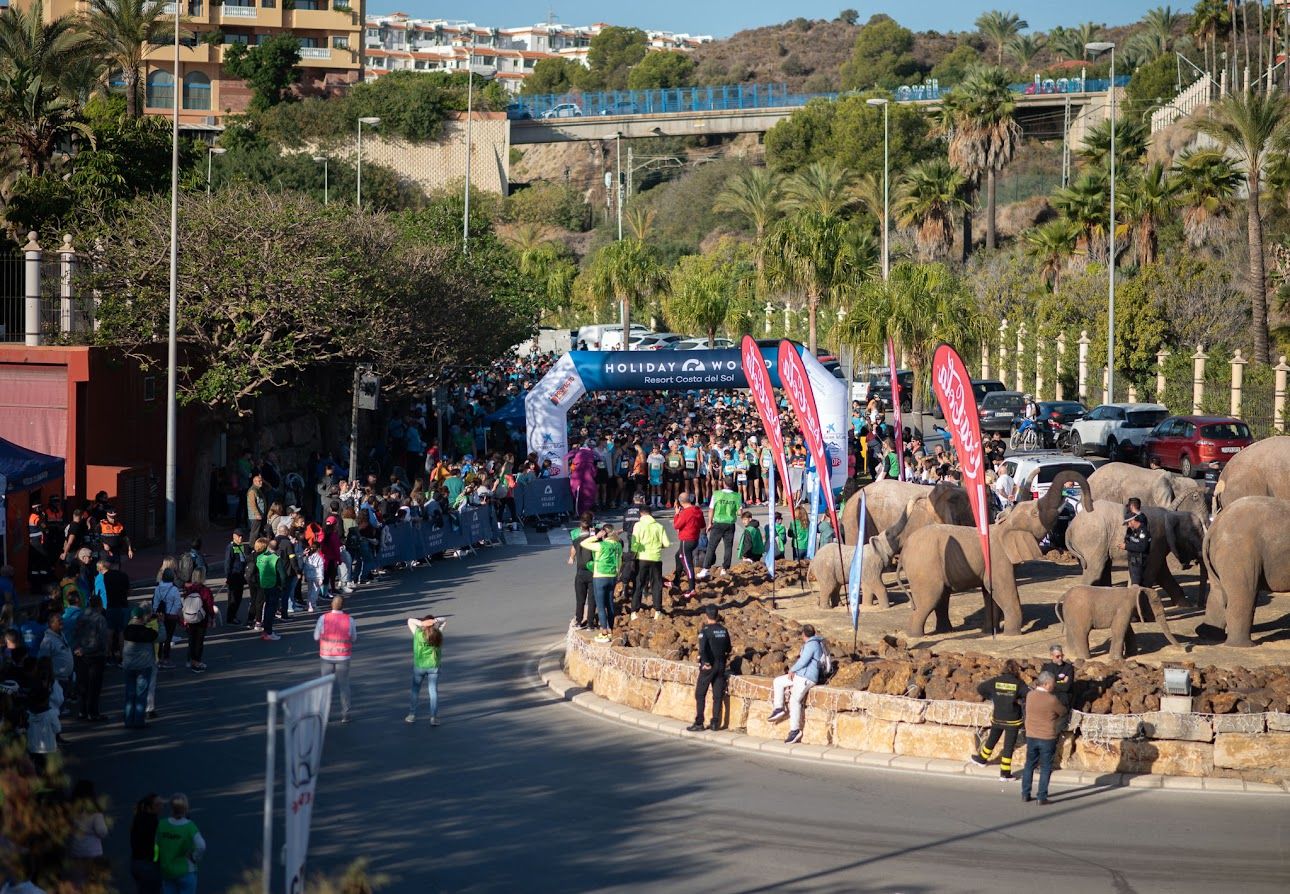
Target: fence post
point(1039, 368)
point(788, 320)
point(66, 270)
point(770, 308)
point(985, 359)
point(1003, 351)
point(1238, 379)
point(33, 255)
point(1198, 378)
point(1161, 356)
point(98, 296)
point(1084, 342)
point(1106, 381)
point(1279, 397)
point(1021, 334)
point(1133, 393)
point(1059, 392)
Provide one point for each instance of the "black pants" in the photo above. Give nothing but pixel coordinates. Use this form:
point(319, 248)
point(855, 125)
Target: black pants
point(684, 564)
point(1137, 569)
point(196, 642)
point(236, 584)
point(716, 678)
point(257, 605)
point(257, 529)
point(648, 574)
point(1009, 733)
point(168, 624)
point(90, 675)
point(582, 598)
point(720, 532)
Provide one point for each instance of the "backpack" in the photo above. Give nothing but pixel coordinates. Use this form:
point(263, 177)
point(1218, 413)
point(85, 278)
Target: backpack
point(193, 610)
point(828, 667)
point(187, 565)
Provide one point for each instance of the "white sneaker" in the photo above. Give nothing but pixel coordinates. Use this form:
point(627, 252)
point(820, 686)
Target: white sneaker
point(411, 718)
point(634, 616)
point(702, 575)
point(434, 721)
point(724, 572)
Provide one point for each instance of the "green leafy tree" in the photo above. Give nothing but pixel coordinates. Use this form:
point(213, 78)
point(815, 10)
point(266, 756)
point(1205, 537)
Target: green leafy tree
point(850, 133)
point(35, 118)
point(928, 200)
point(662, 69)
point(270, 68)
point(1153, 84)
point(555, 75)
point(1024, 48)
point(549, 204)
point(1086, 204)
point(955, 65)
point(546, 261)
point(122, 30)
point(1051, 245)
point(807, 252)
point(627, 270)
point(753, 195)
point(999, 28)
point(1211, 21)
point(983, 135)
point(612, 55)
point(1249, 125)
point(44, 49)
point(1131, 136)
point(1207, 181)
point(882, 56)
point(708, 292)
point(1156, 37)
point(1149, 200)
point(822, 187)
point(1068, 43)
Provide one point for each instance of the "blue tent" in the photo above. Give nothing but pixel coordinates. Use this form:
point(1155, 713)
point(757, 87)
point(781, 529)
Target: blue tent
point(512, 413)
point(24, 469)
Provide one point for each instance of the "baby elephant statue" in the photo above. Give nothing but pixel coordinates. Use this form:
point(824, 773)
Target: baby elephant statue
point(1083, 609)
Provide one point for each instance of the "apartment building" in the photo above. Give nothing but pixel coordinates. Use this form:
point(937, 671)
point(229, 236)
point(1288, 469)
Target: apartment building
point(329, 31)
point(398, 42)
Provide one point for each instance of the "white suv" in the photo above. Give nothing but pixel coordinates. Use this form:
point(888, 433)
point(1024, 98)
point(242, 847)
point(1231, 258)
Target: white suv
point(1115, 430)
point(1049, 464)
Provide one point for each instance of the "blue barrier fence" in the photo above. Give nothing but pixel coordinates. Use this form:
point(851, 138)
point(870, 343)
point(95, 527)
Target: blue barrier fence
point(409, 541)
point(745, 96)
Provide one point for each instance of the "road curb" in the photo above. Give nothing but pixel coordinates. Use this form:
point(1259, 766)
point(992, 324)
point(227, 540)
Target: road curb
point(550, 668)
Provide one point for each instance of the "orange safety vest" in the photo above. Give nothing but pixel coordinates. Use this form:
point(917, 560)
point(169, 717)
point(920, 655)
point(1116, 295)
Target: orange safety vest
point(335, 641)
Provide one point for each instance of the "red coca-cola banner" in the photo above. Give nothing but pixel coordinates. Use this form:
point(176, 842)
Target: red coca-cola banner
point(953, 387)
point(895, 409)
point(792, 376)
point(763, 393)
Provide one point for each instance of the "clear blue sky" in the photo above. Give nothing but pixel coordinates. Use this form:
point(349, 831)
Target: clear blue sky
point(724, 17)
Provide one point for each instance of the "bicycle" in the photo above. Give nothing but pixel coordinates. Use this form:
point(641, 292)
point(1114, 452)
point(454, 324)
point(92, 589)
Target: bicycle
point(1025, 437)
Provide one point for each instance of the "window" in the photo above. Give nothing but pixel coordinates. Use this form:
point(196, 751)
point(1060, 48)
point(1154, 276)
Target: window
point(1144, 418)
point(231, 39)
point(340, 43)
point(307, 4)
point(1184, 429)
point(149, 388)
point(197, 91)
point(1226, 431)
point(307, 41)
point(160, 90)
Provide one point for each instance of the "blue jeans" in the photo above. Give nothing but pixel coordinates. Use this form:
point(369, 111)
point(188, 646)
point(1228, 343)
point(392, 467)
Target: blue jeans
point(185, 884)
point(603, 588)
point(431, 677)
point(136, 696)
point(1041, 752)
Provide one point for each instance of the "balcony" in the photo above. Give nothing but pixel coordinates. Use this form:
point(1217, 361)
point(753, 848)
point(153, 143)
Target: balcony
point(315, 53)
point(323, 19)
point(162, 54)
point(237, 12)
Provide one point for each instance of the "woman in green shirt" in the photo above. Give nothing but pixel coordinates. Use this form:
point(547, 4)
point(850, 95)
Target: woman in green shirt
point(427, 641)
point(608, 560)
point(800, 532)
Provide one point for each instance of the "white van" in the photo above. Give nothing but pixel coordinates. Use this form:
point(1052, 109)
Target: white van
point(594, 337)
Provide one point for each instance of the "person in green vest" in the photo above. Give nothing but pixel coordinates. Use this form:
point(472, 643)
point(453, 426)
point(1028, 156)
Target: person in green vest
point(800, 532)
point(608, 551)
point(751, 544)
point(781, 535)
point(724, 513)
point(890, 459)
point(180, 847)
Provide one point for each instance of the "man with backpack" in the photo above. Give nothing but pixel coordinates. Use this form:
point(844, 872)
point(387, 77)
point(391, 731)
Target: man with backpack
point(813, 665)
point(190, 561)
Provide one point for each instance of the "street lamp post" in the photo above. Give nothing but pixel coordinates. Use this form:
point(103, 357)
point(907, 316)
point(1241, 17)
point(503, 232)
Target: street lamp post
point(172, 342)
point(618, 193)
point(322, 160)
point(370, 121)
point(1096, 48)
point(886, 176)
point(211, 152)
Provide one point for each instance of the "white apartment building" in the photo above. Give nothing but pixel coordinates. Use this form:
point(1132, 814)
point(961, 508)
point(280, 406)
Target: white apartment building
point(398, 42)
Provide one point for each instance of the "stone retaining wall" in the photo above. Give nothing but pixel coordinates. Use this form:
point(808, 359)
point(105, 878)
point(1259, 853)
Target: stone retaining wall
point(1255, 747)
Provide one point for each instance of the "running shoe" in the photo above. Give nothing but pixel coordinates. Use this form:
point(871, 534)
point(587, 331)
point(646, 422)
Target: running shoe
point(270, 637)
point(411, 718)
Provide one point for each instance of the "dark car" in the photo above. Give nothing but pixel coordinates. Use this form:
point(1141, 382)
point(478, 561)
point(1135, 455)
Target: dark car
point(880, 387)
point(982, 387)
point(997, 410)
point(1064, 411)
point(1193, 445)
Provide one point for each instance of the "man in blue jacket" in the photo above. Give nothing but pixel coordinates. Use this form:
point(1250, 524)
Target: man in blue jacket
point(799, 679)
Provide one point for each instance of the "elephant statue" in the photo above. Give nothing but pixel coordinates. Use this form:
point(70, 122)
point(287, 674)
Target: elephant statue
point(887, 499)
point(942, 559)
point(1260, 470)
point(1118, 482)
point(1246, 550)
point(1083, 608)
point(830, 575)
point(1094, 538)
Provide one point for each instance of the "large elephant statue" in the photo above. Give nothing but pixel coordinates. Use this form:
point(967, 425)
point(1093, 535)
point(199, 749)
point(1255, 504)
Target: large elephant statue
point(1246, 550)
point(942, 559)
point(1118, 482)
point(1083, 608)
point(1094, 538)
point(1260, 470)
point(830, 575)
point(887, 499)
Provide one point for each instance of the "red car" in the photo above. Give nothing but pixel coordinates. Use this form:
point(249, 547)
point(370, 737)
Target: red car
point(1193, 445)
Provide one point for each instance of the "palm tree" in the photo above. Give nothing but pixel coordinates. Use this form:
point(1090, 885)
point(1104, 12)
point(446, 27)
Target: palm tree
point(122, 30)
point(1210, 20)
point(1248, 125)
point(808, 252)
point(1149, 199)
point(28, 44)
point(545, 260)
point(627, 270)
point(640, 221)
point(1068, 43)
point(1207, 180)
point(823, 187)
point(753, 195)
point(1052, 246)
point(1000, 27)
point(707, 292)
point(1131, 137)
point(1085, 203)
point(928, 200)
point(1157, 34)
point(1024, 48)
point(34, 118)
point(983, 135)
point(918, 307)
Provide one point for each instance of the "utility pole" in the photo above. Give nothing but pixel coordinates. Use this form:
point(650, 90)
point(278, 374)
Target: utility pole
point(618, 193)
point(353, 426)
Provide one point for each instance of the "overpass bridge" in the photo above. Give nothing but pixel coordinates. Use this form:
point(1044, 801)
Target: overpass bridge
point(718, 111)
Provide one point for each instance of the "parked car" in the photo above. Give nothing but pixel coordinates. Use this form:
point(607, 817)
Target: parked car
point(701, 344)
point(604, 336)
point(997, 410)
point(518, 112)
point(982, 387)
point(625, 107)
point(656, 341)
point(564, 110)
point(1115, 430)
point(1050, 464)
point(1195, 445)
point(880, 387)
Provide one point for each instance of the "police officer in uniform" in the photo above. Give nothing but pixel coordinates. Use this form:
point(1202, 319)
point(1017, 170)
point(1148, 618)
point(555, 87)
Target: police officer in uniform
point(714, 650)
point(1137, 540)
point(1006, 691)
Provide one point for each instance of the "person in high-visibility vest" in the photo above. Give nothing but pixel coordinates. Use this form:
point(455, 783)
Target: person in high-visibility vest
point(112, 536)
point(336, 633)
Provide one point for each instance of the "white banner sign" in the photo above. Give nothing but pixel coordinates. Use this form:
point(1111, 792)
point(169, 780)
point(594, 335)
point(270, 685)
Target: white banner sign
point(304, 716)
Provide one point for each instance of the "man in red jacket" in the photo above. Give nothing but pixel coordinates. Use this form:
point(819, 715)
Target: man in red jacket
point(689, 524)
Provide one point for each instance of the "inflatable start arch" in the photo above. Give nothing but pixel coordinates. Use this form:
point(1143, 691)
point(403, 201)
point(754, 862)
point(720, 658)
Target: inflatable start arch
point(547, 405)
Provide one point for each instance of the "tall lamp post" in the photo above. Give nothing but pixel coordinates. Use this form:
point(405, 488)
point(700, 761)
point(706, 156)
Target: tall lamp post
point(370, 121)
point(1097, 48)
point(322, 160)
point(886, 176)
point(172, 344)
point(211, 152)
point(618, 194)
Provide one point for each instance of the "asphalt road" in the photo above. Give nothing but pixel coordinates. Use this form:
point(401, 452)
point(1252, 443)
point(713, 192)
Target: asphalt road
point(519, 791)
